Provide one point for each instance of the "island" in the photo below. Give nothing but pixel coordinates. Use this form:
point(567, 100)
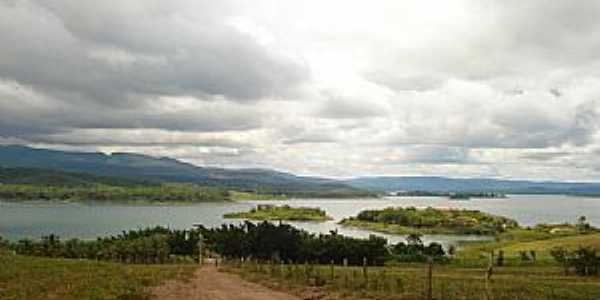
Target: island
point(284, 212)
point(409, 220)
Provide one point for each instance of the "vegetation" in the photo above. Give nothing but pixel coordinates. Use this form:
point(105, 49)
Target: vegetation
point(266, 241)
point(451, 195)
point(467, 196)
point(430, 220)
point(531, 245)
point(285, 212)
point(23, 277)
point(143, 246)
point(411, 281)
point(415, 251)
point(152, 193)
point(249, 195)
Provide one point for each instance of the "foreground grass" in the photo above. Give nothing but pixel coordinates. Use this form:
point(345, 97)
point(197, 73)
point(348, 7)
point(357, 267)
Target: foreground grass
point(24, 277)
point(285, 212)
point(409, 281)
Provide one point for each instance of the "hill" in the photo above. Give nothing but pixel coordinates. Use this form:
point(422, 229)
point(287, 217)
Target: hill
point(163, 169)
point(472, 185)
point(43, 177)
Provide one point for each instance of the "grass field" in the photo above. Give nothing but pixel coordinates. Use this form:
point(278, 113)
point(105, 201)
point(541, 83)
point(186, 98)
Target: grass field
point(24, 277)
point(514, 242)
point(409, 281)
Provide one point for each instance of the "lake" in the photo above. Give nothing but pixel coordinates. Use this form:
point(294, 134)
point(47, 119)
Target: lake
point(89, 220)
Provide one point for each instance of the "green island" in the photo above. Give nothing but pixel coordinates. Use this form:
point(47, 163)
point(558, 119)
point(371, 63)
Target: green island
point(253, 196)
point(284, 212)
point(398, 220)
point(450, 195)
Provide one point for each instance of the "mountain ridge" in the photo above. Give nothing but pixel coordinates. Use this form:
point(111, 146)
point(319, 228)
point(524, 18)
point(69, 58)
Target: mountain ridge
point(134, 165)
point(167, 169)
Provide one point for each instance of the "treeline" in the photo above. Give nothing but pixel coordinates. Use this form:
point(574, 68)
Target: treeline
point(154, 193)
point(147, 246)
point(264, 242)
point(459, 220)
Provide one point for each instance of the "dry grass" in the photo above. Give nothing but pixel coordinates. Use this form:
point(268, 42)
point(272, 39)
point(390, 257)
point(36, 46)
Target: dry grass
point(24, 277)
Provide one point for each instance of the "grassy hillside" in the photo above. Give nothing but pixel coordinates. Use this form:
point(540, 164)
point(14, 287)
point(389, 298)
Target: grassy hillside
point(23, 277)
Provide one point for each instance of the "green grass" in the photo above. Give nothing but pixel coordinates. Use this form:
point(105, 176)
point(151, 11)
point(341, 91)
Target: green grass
point(409, 281)
point(516, 241)
point(23, 277)
point(271, 212)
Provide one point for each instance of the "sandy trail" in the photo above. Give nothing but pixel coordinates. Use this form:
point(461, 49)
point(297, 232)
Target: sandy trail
point(210, 284)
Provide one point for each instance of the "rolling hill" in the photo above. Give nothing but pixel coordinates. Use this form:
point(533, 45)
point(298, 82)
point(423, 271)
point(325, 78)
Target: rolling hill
point(163, 169)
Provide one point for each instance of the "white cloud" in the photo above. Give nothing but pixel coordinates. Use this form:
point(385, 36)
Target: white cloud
point(336, 88)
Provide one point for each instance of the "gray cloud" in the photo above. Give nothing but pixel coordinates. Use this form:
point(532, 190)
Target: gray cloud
point(500, 88)
point(89, 51)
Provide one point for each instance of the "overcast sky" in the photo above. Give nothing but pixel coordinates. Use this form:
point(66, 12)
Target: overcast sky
point(333, 88)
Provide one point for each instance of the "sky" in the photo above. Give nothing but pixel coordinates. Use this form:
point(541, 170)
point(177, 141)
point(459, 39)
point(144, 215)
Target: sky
point(502, 89)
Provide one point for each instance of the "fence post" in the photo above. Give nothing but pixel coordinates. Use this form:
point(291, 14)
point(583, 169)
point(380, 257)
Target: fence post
point(429, 278)
point(306, 272)
point(331, 266)
point(365, 272)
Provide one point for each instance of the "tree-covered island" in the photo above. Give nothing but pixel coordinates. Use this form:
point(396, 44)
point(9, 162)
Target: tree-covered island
point(409, 220)
point(285, 212)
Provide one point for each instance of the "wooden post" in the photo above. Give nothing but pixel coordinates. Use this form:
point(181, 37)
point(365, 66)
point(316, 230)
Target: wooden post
point(430, 279)
point(200, 248)
point(332, 271)
point(306, 271)
point(365, 272)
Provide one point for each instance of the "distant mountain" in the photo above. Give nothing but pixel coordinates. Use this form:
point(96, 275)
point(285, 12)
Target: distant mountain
point(143, 167)
point(443, 184)
point(64, 179)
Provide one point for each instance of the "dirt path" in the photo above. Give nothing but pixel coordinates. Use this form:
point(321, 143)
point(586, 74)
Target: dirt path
point(210, 284)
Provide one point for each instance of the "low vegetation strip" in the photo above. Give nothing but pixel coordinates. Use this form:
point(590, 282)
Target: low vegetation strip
point(284, 212)
point(166, 192)
point(408, 220)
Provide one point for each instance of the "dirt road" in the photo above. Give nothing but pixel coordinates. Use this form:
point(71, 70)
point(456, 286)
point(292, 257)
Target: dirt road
point(210, 284)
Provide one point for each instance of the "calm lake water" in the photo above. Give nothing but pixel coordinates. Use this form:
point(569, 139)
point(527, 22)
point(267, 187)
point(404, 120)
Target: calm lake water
point(90, 220)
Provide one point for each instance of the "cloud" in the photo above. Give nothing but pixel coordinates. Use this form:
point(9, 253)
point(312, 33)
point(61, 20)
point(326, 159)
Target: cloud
point(90, 52)
point(471, 88)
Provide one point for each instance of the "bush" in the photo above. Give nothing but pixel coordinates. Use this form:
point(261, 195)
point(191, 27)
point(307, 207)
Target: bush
point(151, 245)
point(415, 251)
point(585, 260)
